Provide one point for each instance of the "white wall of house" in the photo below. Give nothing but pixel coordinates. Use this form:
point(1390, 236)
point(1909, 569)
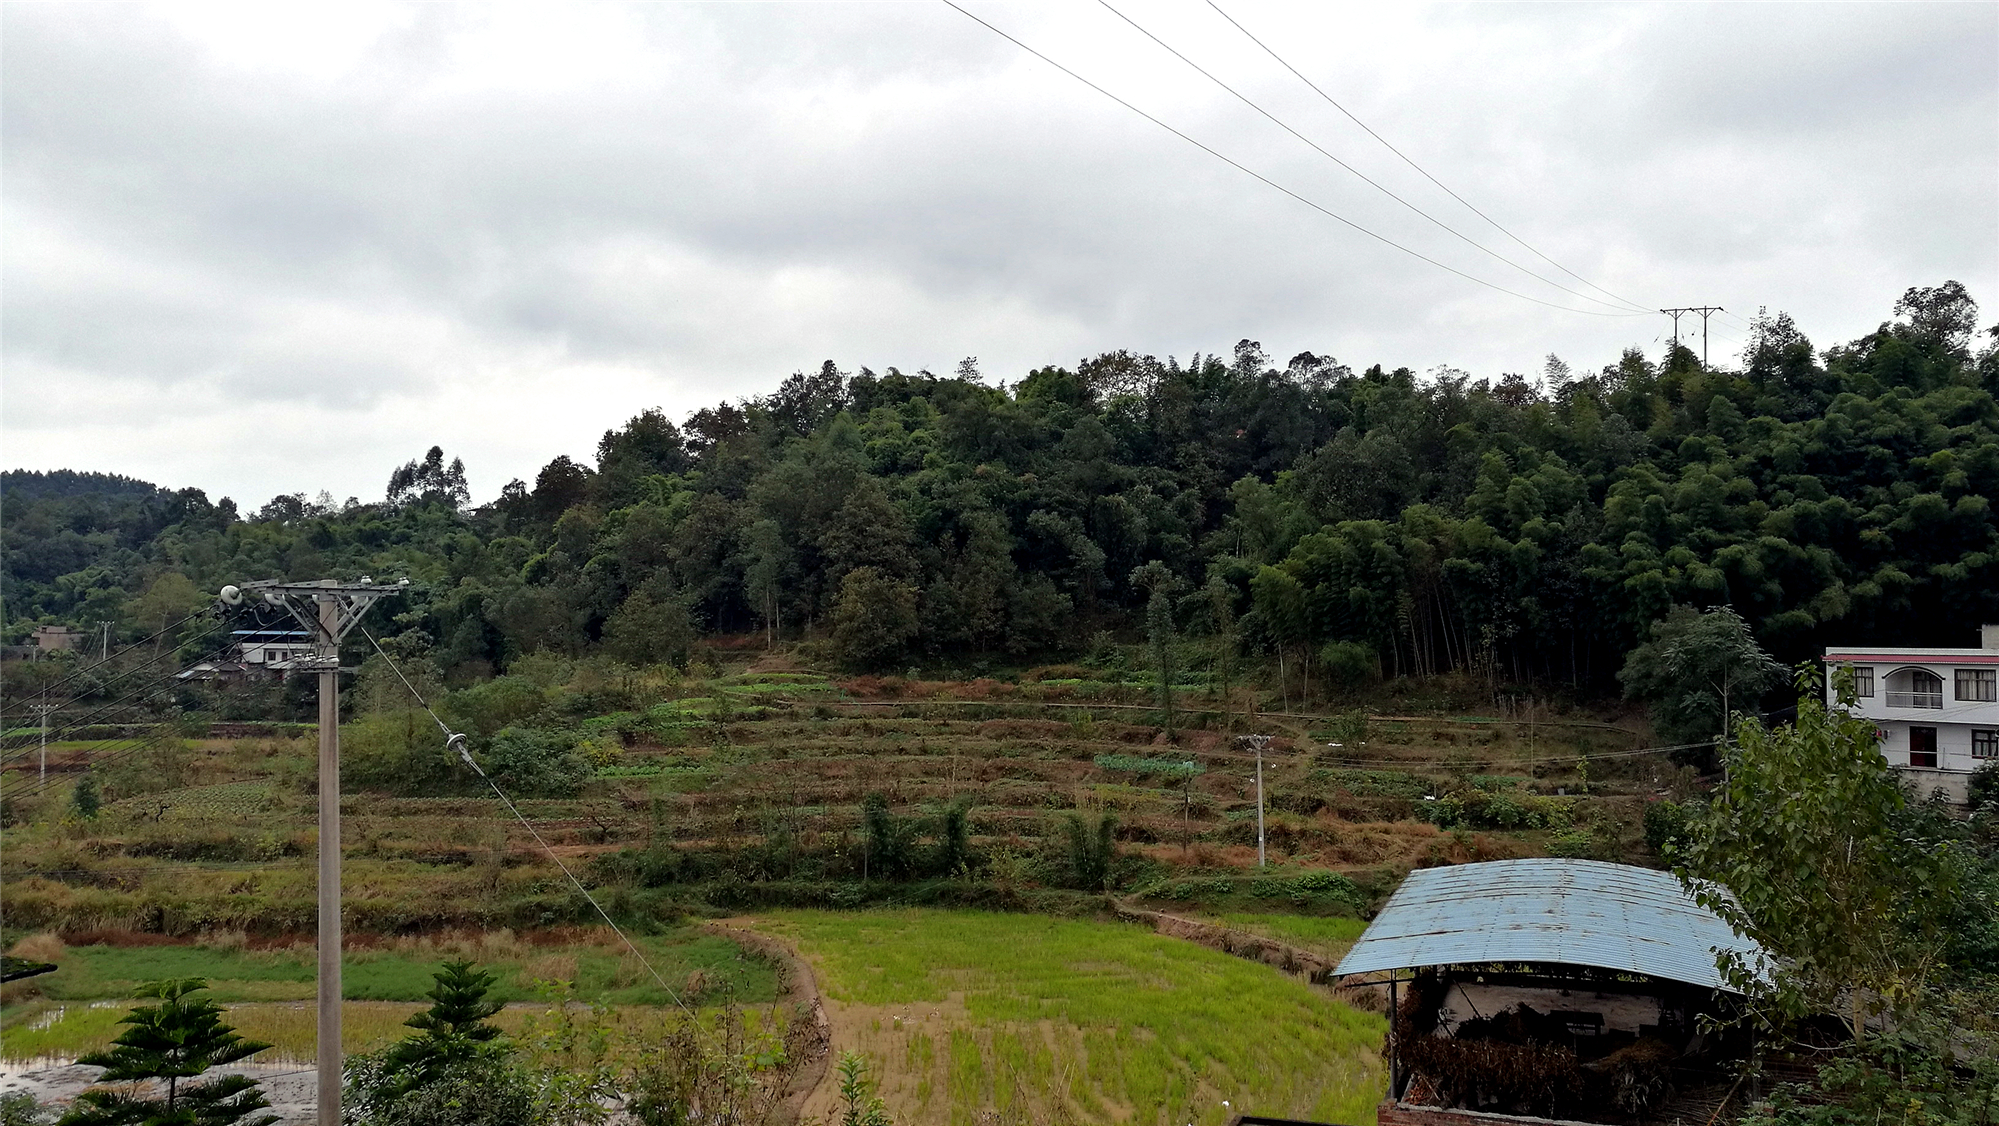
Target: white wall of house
point(1920, 697)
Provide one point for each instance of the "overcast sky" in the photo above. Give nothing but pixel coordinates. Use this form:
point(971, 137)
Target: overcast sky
point(277, 248)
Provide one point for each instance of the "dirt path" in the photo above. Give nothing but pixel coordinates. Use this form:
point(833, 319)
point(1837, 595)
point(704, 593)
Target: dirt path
point(799, 989)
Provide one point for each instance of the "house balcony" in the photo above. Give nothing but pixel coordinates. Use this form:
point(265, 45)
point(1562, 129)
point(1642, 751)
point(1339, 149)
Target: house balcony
point(1915, 699)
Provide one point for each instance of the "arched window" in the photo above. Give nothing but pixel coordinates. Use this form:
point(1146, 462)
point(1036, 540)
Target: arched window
point(1915, 688)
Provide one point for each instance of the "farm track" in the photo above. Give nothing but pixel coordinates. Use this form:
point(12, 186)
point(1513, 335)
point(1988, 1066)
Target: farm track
point(799, 988)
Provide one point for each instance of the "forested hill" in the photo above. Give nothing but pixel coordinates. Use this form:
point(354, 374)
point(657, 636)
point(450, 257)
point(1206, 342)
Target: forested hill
point(1527, 527)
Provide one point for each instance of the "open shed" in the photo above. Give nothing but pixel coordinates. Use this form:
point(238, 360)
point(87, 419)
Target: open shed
point(1557, 988)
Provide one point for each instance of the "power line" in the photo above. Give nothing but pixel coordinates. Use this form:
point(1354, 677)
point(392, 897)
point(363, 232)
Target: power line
point(115, 750)
point(1411, 163)
point(82, 669)
point(1705, 311)
point(148, 662)
point(456, 742)
point(1268, 181)
point(1370, 182)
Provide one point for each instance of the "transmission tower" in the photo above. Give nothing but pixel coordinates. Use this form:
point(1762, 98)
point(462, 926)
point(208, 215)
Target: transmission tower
point(327, 609)
point(1705, 311)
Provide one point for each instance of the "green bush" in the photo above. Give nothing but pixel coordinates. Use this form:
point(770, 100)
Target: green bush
point(492, 1091)
point(1350, 664)
point(1574, 844)
point(1983, 789)
point(486, 709)
point(19, 1108)
point(525, 762)
point(1476, 809)
point(1666, 825)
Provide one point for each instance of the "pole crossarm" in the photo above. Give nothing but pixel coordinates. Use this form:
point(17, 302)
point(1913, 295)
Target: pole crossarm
point(351, 601)
point(1705, 312)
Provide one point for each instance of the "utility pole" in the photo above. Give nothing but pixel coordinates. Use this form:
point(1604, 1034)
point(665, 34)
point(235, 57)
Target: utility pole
point(104, 654)
point(327, 609)
point(1258, 742)
point(43, 778)
point(1705, 311)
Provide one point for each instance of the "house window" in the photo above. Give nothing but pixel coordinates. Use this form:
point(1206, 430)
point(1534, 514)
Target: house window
point(1863, 681)
point(1978, 684)
point(1984, 744)
point(1915, 688)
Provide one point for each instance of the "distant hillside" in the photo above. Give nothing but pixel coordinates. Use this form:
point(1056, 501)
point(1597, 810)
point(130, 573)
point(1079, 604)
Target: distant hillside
point(1337, 522)
point(21, 485)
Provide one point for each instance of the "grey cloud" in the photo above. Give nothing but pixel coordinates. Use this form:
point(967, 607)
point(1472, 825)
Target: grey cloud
point(891, 184)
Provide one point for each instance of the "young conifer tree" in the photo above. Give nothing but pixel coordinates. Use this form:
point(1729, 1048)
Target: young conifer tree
point(452, 1031)
point(177, 1039)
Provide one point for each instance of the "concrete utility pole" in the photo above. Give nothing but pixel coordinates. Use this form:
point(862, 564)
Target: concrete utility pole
point(104, 653)
point(42, 778)
point(1705, 311)
point(1258, 742)
point(327, 609)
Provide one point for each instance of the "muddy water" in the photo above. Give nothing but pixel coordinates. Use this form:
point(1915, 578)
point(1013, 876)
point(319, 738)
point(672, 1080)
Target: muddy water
point(55, 1083)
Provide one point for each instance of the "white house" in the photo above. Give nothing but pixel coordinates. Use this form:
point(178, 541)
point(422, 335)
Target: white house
point(272, 648)
point(1936, 711)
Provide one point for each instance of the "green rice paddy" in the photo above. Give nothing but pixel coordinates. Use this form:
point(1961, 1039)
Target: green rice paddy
point(1066, 1020)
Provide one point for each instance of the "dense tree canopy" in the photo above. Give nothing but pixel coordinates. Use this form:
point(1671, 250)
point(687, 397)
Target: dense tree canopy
point(1514, 528)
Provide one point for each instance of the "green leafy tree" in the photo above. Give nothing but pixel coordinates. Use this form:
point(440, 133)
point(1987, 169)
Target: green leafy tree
point(890, 845)
point(954, 840)
point(1798, 850)
point(1222, 618)
point(1698, 669)
point(181, 1037)
point(84, 800)
point(456, 1069)
point(874, 619)
point(647, 630)
point(1161, 583)
point(763, 577)
point(166, 600)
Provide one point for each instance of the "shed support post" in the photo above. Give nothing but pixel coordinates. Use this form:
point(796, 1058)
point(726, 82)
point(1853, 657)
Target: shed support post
point(1394, 1052)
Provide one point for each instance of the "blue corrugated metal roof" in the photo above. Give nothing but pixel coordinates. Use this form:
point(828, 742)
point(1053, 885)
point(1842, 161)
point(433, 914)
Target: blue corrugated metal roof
point(1576, 912)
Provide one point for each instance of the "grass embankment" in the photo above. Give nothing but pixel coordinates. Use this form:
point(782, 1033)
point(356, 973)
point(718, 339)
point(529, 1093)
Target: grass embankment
point(1328, 937)
point(968, 1014)
point(600, 967)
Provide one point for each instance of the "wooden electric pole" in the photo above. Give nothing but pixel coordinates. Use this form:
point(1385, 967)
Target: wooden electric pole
point(327, 609)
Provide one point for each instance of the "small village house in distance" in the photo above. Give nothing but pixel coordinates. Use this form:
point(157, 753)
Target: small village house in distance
point(1936, 711)
point(50, 639)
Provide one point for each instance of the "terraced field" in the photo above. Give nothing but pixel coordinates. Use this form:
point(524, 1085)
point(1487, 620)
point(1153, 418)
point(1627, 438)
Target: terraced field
point(772, 788)
point(719, 769)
